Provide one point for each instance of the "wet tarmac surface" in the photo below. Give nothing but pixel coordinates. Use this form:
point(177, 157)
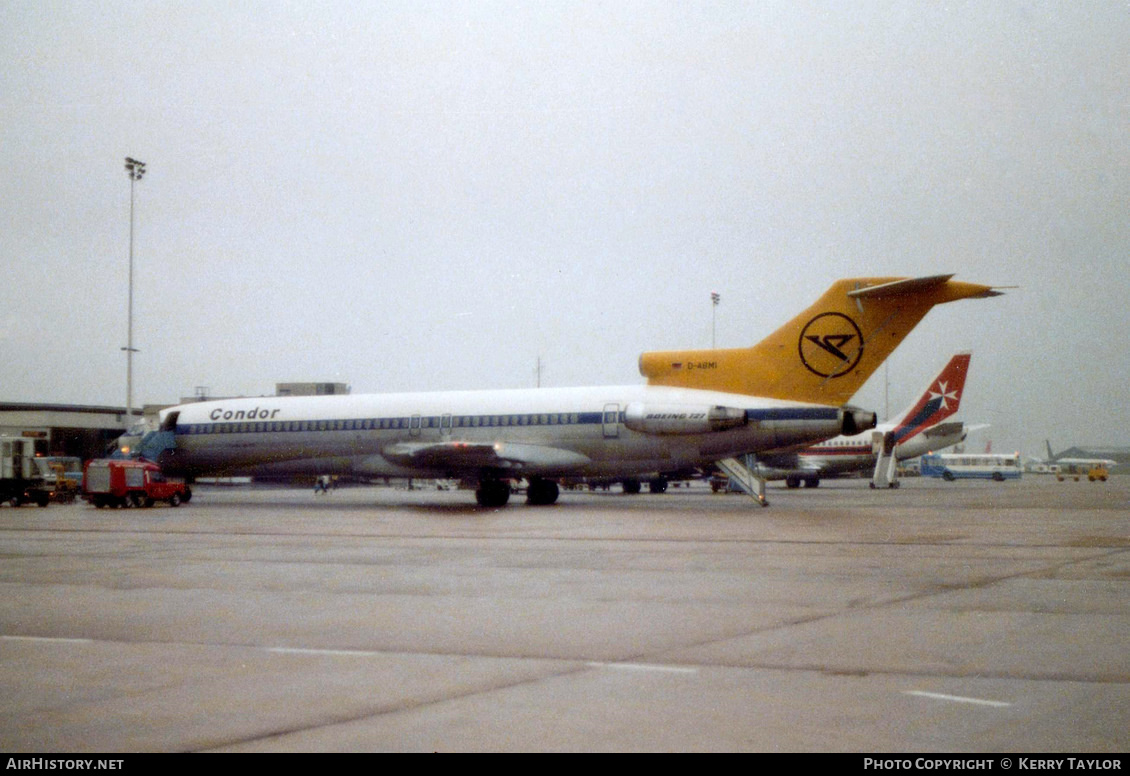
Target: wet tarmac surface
point(968, 616)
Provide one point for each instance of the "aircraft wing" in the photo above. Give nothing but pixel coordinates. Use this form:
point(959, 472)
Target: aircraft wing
point(463, 457)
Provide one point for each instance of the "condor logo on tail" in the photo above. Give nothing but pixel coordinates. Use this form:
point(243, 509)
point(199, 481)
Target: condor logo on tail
point(831, 345)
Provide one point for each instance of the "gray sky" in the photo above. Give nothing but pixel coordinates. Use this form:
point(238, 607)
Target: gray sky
point(424, 196)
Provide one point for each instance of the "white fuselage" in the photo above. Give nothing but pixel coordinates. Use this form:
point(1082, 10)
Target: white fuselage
point(859, 452)
point(606, 431)
point(856, 453)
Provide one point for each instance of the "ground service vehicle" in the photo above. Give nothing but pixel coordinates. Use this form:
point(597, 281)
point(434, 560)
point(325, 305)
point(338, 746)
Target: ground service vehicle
point(20, 482)
point(985, 466)
point(1094, 471)
point(62, 477)
point(112, 482)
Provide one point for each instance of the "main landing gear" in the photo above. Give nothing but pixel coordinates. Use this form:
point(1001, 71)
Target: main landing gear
point(493, 494)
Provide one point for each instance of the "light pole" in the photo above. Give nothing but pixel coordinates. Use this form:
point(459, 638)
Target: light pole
point(136, 170)
point(715, 298)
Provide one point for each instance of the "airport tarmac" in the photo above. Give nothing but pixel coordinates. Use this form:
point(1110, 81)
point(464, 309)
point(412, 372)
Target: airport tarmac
point(940, 617)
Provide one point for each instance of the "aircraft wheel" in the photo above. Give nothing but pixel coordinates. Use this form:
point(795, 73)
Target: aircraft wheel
point(657, 485)
point(631, 486)
point(812, 482)
point(492, 494)
point(542, 492)
point(792, 482)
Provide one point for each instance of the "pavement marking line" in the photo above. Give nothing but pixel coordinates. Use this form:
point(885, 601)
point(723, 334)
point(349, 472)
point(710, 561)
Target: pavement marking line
point(645, 667)
point(300, 651)
point(955, 698)
point(55, 639)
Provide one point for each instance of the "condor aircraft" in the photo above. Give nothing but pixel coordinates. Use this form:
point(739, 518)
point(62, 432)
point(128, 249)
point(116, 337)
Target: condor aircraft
point(913, 432)
point(699, 407)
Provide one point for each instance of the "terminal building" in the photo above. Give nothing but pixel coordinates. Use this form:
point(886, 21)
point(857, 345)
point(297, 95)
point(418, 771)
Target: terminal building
point(90, 432)
point(64, 429)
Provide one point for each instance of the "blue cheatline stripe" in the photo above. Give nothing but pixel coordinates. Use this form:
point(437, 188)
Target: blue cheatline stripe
point(794, 413)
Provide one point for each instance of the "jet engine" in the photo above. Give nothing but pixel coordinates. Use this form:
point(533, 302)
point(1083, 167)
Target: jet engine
point(681, 418)
point(857, 421)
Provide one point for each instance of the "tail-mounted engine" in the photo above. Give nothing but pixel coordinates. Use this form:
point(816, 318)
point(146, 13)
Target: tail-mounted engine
point(682, 418)
point(857, 421)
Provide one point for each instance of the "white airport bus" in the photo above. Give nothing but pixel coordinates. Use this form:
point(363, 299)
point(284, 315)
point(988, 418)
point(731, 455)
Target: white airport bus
point(986, 466)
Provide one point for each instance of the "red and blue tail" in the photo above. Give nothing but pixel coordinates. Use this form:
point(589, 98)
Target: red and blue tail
point(940, 400)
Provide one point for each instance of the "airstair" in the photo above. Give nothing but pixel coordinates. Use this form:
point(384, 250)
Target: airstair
point(742, 472)
point(886, 464)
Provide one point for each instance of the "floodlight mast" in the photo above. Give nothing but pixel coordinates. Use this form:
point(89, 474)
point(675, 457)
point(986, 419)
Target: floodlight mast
point(136, 171)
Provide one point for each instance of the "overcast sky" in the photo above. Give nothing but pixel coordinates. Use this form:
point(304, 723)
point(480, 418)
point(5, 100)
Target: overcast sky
point(425, 196)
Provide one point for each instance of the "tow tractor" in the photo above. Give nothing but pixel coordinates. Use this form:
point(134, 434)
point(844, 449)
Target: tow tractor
point(62, 477)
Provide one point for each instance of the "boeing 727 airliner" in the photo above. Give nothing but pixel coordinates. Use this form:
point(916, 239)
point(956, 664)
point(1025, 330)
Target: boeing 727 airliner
point(706, 407)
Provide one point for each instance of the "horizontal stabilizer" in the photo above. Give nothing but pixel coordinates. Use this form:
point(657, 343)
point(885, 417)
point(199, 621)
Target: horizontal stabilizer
point(917, 285)
point(944, 430)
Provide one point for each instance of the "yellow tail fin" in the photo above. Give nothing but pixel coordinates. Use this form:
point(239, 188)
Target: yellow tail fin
point(823, 355)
